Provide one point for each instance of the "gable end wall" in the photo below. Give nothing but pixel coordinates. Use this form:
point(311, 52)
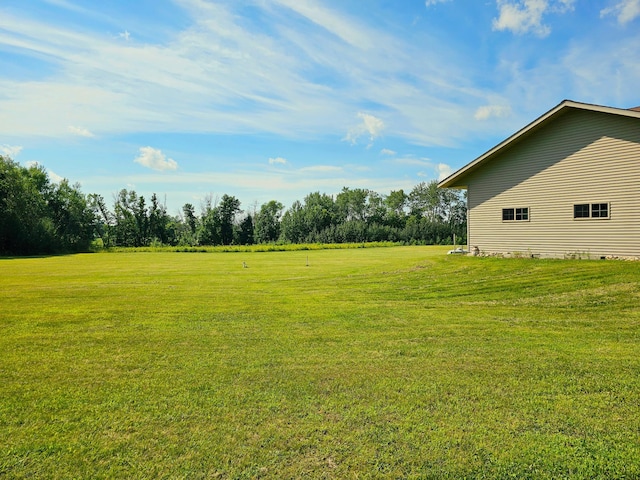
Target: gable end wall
point(580, 157)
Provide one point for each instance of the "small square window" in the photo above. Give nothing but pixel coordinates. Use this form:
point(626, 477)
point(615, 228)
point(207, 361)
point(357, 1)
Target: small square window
point(581, 210)
point(522, 214)
point(599, 210)
point(508, 214)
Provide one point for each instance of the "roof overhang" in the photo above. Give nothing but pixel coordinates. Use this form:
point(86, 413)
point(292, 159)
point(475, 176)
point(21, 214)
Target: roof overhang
point(458, 178)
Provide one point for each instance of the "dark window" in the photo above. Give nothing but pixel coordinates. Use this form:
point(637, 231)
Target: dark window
point(591, 210)
point(522, 214)
point(599, 210)
point(581, 210)
point(518, 214)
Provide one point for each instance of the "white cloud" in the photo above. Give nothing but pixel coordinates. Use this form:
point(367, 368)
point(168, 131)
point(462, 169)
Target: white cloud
point(603, 72)
point(156, 160)
point(560, 6)
point(321, 169)
point(427, 167)
point(54, 176)
point(11, 151)
point(81, 132)
point(335, 23)
point(434, 2)
point(67, 5)
point(386, 151)
point(222, 75)
point(278, 161)
point(489, 111)
point(126, 35)
point(625, 11)
point(370, 126)
point(444, 171)
point(415, 162)
point(522, 17)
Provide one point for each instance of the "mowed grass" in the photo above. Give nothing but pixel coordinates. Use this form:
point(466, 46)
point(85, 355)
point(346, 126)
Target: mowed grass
point(367, 363)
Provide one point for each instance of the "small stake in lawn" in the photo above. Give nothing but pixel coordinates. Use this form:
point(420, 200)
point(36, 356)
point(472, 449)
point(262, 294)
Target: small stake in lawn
point(307, 260)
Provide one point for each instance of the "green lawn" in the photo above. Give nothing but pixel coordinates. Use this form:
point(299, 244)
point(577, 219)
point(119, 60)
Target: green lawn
point(396, 362)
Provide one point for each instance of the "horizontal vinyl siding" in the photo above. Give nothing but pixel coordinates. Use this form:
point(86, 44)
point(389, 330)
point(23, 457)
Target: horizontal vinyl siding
point(582, 157)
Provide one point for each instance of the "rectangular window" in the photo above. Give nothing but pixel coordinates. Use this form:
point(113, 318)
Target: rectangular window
point(515, 214)
point(591, 210)
point(581, 210)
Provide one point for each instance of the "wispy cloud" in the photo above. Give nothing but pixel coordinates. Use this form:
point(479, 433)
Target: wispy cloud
point(414, 162)
point(156, 160)
point(278, 161)
point(625, 11)
point(11, 151)
point(81, 132)
point(434, 2)
point(331, 21)
point(223, 75)
point(386, 151)
point(296, 69)
point(603, 74)
point(490, 111)
point(427, 167)
point(321, 169)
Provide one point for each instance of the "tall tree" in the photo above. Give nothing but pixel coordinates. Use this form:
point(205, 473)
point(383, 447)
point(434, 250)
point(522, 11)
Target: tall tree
point(424, 201)
point(104, 218)
point(38, 216)
point(72, 216)
point(209, 227)
point(131, 222)
point(396, 202)
point(351, 204)
point(187, 226)
point(293, 226)
point(246, 231)
point(190, 217)
point(159, 221)
point(24, 227)
point(267, 222)
point(229, 207)
point(320, 212)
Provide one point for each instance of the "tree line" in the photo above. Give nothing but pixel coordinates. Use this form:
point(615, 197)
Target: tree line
point(41, 216)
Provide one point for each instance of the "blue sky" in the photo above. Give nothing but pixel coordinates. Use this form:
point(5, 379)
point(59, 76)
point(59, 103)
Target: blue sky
point(274, 99)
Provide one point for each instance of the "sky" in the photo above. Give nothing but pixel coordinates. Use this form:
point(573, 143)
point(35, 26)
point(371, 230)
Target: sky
point(274, 99)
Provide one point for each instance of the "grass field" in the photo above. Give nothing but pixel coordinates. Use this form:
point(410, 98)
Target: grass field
point(394, 362)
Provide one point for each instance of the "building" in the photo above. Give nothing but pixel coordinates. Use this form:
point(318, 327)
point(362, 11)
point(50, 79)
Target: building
point(567, 184)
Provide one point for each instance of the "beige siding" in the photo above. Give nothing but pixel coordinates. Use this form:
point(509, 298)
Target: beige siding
point(580, 157)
